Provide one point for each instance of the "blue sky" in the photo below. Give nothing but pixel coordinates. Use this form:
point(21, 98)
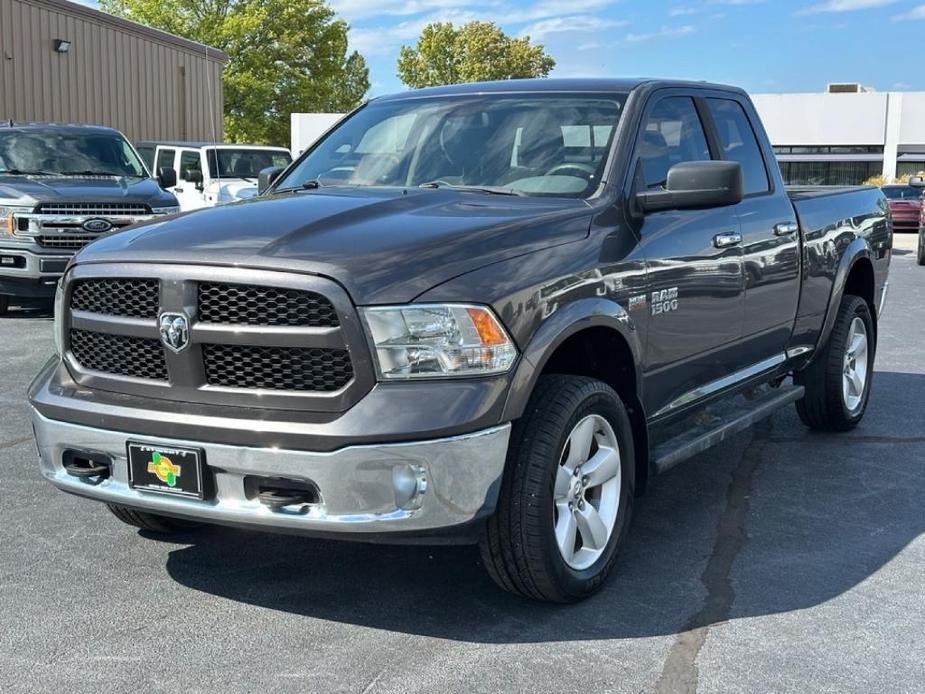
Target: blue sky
point(761, 45)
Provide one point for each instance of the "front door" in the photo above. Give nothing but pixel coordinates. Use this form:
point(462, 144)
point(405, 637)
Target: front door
point(695, 278)
point(189, 190)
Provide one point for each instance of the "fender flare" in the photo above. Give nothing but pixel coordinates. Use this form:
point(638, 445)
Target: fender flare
point(556, 329)
point(856, 250)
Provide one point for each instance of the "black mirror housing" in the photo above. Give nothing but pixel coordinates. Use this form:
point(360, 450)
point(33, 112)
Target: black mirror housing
point(193, 176)
point(267, 177)
point(167, 177)
point(697, 184)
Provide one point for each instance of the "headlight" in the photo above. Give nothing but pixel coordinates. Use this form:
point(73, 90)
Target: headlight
point(8, 221)
point(438, 341)
point(59, 317)
point(163, 211)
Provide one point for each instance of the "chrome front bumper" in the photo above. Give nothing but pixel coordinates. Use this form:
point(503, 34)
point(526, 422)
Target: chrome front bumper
point(35, 265)
point(419, 486)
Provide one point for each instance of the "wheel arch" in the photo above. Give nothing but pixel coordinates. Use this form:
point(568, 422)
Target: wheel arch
point(855, 275)
point(590, 337)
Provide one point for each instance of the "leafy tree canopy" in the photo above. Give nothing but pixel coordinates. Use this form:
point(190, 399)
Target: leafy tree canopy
point(284, 56)
point(473, 52)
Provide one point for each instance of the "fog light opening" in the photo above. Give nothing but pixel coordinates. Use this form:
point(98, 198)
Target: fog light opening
point(410, 485)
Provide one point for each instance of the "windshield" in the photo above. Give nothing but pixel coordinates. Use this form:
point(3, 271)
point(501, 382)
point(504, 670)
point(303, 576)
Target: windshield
point(245, 163)
point(67, 154)
point(527, 144)
point(902, 193)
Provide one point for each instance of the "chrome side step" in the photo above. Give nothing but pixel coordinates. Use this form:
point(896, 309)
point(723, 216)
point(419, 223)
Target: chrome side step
point(717, 424)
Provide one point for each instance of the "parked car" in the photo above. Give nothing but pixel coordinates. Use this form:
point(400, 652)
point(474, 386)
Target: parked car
point(62, 186)
point(919, 183)
point(229, 174)
point(905, 206)
point(485, 312)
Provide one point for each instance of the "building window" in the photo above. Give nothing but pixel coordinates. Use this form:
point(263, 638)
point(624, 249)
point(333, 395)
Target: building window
point(829, 173)
point(910, 168)
point(829, 149)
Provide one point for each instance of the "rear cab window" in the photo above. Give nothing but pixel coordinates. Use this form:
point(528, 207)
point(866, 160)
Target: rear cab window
point(738, 143)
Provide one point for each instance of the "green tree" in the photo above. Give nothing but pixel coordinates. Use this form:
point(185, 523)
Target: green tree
point(474, 52)
point(284, 56)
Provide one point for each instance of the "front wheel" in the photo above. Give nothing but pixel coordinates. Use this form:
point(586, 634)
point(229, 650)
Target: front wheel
point(921, 258)
point(567, 493)
point(4, 304)
point(839, 379)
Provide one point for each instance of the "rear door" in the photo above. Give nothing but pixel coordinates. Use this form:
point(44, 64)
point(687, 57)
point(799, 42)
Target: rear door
point(694, 263)
point(770, 235)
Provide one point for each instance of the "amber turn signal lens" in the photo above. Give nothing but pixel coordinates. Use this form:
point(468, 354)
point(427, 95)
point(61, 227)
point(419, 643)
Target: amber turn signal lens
point(487, 327)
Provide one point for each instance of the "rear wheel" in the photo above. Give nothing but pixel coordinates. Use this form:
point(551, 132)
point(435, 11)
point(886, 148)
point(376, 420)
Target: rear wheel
point(839, 379)
point(567, 494)
point(4, 304)
point(921, 258)
point(149, 521)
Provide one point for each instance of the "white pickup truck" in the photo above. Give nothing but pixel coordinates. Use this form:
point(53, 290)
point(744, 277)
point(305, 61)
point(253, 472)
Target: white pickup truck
point(210, 174)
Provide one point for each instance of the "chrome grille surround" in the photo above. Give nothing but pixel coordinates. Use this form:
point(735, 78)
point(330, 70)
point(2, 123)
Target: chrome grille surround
point(60, 224)
point(297, 368)
point(94, 209)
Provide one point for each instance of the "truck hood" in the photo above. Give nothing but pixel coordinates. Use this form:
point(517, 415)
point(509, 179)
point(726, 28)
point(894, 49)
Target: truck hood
point(231, 190)
point(382, 245)
point(32, 190)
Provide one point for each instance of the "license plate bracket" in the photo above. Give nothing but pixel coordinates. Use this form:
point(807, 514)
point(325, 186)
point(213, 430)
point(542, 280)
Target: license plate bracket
point(170, 470)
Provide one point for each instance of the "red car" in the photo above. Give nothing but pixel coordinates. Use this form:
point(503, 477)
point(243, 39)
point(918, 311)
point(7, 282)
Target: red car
point(906, 206)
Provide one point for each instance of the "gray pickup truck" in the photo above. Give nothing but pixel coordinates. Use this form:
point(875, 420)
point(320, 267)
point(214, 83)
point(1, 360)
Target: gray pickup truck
point(62, 186)
point(485, 313)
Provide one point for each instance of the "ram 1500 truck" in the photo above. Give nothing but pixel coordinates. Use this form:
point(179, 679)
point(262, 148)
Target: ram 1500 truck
point(487, 312)
point(62, 186)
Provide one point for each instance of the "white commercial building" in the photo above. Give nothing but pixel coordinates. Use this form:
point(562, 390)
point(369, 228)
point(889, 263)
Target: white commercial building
point(842, 136)
point(845, 135)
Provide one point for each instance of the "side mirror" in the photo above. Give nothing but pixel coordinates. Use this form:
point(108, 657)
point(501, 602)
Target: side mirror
point(696, 184)
point(193, 176)
point(266, 177)
point(167, 177)
point(917, 182)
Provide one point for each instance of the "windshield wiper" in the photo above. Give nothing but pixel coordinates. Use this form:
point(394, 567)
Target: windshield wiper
point(101, 173)
point(20, 172)
point(308, 185)
point(491, 190)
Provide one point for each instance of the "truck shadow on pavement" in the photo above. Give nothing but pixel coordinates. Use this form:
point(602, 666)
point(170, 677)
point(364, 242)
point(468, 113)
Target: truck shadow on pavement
point(775, 520)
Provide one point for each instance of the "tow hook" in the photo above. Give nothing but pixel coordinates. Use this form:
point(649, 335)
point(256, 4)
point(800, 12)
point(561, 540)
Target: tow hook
point(93, 467)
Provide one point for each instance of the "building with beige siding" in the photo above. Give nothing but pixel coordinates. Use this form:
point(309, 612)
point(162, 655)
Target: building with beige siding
point(67, 63)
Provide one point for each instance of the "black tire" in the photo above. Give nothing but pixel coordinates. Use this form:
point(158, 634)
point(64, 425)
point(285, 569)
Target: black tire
point(4, 304)
point(149, 521)
point(921, 255)
point(518, 546)
point(823, 406)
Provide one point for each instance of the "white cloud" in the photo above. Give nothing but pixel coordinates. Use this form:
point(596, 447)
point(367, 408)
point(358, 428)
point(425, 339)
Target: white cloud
point(367, 9)
point(845, 6)
point(663, 33)
point(505, 10)
point(682, 11)
point(914, 13)
point(538, 31)
point(385, 40)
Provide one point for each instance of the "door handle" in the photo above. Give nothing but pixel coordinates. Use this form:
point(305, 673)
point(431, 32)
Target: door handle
point(177, 190)
point(731, 238)
point(786, 228)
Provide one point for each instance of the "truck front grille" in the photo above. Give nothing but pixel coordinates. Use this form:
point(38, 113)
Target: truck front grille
point(135, 357)
point(70, 241)
point(277, 368)
point(240, 304)
point(94, 209)
point(135, 298)
point(254, 338)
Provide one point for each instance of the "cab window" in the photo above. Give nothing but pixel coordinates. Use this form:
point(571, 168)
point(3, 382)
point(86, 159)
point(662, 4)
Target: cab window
point(672, 134)
point(738, 143)
point(164, 160)
point(189, 161)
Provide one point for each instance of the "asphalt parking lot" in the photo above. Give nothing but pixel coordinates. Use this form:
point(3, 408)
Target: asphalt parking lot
point(780, 561)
